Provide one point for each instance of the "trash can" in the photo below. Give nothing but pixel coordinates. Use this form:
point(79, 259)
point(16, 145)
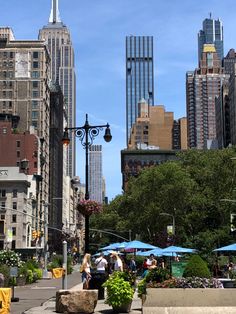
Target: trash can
point(96, 282)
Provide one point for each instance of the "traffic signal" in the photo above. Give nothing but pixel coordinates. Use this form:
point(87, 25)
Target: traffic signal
point(34, 234)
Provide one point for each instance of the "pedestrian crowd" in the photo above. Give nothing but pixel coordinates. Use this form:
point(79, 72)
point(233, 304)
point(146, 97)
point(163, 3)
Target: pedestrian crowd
point(115, 262)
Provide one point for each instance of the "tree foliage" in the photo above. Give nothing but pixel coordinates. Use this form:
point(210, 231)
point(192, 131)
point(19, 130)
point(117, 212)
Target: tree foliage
point(190, 189)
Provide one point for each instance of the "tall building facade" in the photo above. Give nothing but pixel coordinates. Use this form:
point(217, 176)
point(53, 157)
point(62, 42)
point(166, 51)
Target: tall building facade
point(95, 173)
point(58, 39)
point(202, 86)
point(139, 76)
point(24, 92)
point(211, 33)
point(156, 128)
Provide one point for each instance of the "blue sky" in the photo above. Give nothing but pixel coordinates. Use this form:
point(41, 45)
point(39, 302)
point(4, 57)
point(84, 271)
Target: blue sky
point(98, 29)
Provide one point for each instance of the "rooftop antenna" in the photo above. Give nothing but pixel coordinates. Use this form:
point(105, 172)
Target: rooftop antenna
point(210, 15)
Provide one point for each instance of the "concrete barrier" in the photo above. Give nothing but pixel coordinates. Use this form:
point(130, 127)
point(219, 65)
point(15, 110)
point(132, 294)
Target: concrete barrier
point(194, 301)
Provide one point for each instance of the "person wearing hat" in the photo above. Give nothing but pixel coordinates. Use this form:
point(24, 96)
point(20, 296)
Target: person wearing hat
point(118, 265)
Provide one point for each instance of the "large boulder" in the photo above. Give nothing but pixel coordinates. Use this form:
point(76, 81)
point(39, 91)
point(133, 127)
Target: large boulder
point(76, 301)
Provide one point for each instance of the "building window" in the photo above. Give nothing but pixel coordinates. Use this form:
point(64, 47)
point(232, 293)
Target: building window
point(35, 114)
point(18, 154)
point(34, 104)
point(35, 164)
point(35, 54)
point(35, 74)
point(35, 84)
point(35, 94)
point(17, 163)
point(14, 231)
point(17, 143)
point(35, 124)
point(2, 193)
point(35, 64)
point(14, 205)
point(13, 244)
point(3, 205)
point(1, 227)
point(14, 193)
point(13, 218)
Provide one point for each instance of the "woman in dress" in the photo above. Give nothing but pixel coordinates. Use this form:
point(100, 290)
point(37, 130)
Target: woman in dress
point(86, 275)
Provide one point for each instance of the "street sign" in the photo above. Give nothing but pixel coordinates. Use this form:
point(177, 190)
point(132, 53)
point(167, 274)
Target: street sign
point(13, 271)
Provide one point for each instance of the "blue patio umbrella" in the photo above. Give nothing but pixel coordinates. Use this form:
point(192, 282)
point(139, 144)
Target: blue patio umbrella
point(155, 252)
point(138, 245)
point(231, 247)
point(114, 246)
point(178, 249)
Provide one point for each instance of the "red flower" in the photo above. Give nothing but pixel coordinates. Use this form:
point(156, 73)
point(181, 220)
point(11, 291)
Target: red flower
point(88, 207)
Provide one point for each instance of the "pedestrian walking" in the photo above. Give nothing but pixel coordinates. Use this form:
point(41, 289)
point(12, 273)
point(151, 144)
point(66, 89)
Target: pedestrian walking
point(86, 270)
point(101, 263)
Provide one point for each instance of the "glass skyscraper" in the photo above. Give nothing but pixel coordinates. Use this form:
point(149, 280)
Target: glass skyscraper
point(212, 33)
point(139, 76)
point(57, 37)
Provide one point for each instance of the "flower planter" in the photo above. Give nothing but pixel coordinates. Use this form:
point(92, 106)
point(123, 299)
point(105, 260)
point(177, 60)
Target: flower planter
point(124, 308)
point(197, 300)
point(21, 281)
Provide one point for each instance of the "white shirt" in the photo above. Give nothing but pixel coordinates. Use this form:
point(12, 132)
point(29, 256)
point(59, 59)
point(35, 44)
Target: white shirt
point(118, 265)
point(101, 263)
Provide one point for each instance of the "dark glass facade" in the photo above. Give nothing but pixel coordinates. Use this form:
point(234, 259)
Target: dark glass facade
point(212, 33)
point(139, 76)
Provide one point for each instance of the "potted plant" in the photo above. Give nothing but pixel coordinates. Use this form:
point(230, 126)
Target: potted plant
point(89, 207)
point(119, 293)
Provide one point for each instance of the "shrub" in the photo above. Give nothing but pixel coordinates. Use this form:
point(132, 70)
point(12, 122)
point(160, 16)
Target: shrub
point(196, 267)
point(38, 274)
point(157, 275)
point(10, 258)
point(119, 290)
point(30, 276)
point(5, 270)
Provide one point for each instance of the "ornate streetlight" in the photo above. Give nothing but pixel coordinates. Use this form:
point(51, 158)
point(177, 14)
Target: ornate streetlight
point(86, 135)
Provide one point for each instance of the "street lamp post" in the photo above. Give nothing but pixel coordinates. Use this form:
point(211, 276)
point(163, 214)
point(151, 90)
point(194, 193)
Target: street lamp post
point(86, 135)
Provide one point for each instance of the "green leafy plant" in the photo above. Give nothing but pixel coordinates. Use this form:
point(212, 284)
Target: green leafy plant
point(157, 275)
point(119, 290)
point(142, 287)
point(196, 267)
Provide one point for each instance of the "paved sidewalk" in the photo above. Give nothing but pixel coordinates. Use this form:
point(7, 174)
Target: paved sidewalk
point(49, 307)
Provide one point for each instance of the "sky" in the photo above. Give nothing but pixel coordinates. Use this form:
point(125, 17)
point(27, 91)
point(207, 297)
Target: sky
point(98, 29)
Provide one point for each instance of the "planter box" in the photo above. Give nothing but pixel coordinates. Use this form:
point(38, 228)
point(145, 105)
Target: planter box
point(181, 301)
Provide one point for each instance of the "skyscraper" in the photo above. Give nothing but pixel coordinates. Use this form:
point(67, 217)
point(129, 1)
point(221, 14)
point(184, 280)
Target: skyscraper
point(57, 37)
point(95, 173)
point(139, 76)
point(202, 86)
point(212, 33)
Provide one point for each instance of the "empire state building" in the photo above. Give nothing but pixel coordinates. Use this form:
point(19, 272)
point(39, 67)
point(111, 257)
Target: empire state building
point(58, 39)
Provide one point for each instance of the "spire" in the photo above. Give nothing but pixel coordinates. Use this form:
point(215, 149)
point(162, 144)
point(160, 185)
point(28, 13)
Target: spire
point(55, 15)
